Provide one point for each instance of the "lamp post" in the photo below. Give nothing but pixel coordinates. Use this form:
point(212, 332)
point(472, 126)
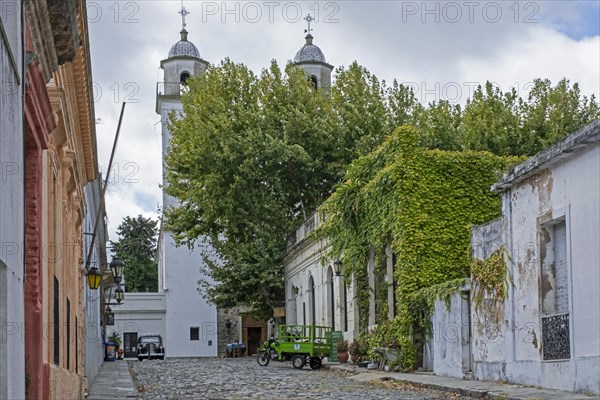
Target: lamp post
point(94, 277)
point(119, 294)
point(116, 267)
point(337, 267)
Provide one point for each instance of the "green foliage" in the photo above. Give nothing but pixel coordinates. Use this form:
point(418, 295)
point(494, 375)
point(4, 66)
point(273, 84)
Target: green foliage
point(358, 349)
point(116, 339)
point(504, 123)
point(491, 279)
point(254, 156)
point(421, 303)
point(424, 201)
point(137, 248)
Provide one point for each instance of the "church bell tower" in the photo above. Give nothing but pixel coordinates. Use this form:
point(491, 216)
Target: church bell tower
point(190, 322)
point(312, 60)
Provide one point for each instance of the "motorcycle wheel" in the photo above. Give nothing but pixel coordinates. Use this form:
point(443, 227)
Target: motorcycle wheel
point(298, 362)
point(263, 358)
point(315, 363)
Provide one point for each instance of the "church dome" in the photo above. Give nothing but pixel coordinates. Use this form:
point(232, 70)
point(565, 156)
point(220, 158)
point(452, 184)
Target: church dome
point(184, 48)
point(309, 52)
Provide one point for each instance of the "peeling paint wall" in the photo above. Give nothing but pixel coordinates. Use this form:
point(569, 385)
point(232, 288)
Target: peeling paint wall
point(448, 351)
point(489, 341)
point(567, 191)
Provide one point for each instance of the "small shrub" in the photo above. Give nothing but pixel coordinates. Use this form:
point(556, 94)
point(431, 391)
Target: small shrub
point(342, 346)
point(358, 351)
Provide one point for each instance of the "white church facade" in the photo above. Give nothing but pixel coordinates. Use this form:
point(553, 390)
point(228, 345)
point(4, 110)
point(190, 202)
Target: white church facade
point(189, 325)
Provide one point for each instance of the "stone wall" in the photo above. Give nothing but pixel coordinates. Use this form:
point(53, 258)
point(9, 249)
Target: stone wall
point(63, 384)
point(229, 329)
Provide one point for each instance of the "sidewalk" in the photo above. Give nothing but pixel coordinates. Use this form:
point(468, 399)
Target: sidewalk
point(472, 388)
point(113, 382)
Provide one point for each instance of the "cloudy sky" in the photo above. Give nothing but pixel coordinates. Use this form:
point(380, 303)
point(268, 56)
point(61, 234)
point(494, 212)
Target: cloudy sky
point(441, 48)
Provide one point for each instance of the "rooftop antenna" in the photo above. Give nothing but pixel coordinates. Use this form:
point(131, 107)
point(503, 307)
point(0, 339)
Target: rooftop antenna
point(308, 19)
point(184, 12)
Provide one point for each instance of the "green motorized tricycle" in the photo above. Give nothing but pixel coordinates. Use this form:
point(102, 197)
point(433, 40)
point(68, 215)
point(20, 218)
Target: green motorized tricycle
point(298, 343)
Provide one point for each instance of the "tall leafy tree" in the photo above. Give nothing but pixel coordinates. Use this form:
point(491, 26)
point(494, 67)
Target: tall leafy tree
point(254, 155)
point(251, 157)
point(137, 248)
point(551, 113)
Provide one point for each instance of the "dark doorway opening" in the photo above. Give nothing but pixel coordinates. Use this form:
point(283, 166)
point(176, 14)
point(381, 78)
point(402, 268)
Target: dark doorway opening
point(254, 336)
point(129, 344)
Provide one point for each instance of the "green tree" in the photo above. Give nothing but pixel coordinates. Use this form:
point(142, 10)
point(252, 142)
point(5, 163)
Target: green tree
point(137, 248)
point(251, 158)
point(552, 113)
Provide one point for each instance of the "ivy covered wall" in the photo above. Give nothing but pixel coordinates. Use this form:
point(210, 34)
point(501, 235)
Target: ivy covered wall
point(424, 202)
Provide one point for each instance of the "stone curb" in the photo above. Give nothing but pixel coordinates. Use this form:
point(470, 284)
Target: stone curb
point(493, 391)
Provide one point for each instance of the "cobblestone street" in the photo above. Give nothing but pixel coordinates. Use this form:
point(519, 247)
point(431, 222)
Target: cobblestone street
point(221, 379)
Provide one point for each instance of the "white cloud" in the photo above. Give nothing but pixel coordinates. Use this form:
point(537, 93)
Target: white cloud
point(386, 37)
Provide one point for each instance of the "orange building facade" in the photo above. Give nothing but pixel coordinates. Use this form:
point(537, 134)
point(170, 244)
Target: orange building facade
point(60, 159)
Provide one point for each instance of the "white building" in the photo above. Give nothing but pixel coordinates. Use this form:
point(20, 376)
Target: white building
point(548, 330)
point(551, 227)
point(140, 313)
point(93, 324)
point(191, 323)
point(12, 200)
point(314, 294)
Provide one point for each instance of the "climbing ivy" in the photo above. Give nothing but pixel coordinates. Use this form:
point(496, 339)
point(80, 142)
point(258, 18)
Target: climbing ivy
point(491, 279)
point(425, 201)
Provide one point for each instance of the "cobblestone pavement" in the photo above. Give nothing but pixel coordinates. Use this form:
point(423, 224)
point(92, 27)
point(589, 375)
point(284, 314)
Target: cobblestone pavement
point(221, 379)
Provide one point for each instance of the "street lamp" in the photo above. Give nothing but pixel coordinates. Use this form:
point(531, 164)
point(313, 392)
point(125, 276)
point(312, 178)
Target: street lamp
point(119, 294)
point(337, 267)
point(116, 267)
point(94, 277)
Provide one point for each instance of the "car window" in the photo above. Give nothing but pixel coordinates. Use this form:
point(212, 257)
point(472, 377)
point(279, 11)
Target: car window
point(150, 339)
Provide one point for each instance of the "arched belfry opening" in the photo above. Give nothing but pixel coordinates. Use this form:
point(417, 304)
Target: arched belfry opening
point(184, 77)
point(314, 81)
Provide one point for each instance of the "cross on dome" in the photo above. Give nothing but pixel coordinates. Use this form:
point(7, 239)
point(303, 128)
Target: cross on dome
point(308, 19)
point(184, 12)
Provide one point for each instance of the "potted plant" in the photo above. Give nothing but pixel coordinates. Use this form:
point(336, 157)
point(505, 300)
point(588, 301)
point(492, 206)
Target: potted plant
point(357, 351)
point(342, 351)
point(116, 339)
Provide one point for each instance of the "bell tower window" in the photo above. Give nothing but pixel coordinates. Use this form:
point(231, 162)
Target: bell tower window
point(314, 81)
point(184, 77)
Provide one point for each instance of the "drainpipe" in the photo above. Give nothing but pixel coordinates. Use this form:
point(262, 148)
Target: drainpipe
point(22, 86)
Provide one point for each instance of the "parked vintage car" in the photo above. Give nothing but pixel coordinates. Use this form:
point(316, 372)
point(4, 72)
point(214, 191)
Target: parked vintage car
point(149, 346)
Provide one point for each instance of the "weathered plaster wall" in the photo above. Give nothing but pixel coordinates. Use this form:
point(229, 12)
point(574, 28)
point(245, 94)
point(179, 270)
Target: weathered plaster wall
point(566, 188)
point(449, 346)
point(488, 342)
point(63, 384)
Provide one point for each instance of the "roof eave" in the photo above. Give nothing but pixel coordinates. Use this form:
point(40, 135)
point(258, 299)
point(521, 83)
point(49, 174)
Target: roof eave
point(573, 143)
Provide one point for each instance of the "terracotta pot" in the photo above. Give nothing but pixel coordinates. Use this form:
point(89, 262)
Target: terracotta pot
point(343, 357)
